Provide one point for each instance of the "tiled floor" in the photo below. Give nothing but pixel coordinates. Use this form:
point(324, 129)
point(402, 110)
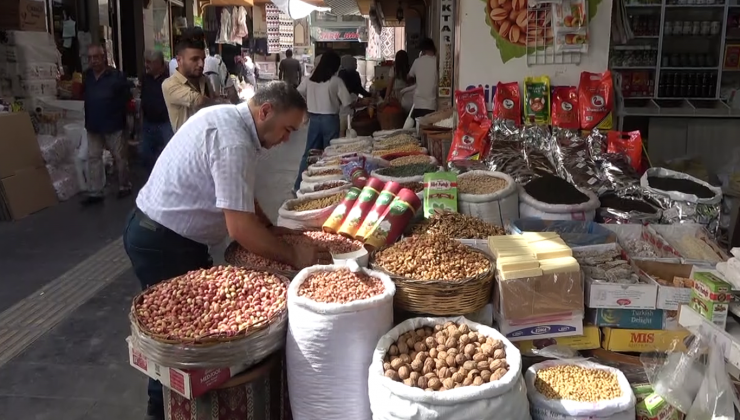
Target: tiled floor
point(79, 369)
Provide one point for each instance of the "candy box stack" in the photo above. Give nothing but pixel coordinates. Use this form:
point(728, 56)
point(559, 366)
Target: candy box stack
point(711, 297)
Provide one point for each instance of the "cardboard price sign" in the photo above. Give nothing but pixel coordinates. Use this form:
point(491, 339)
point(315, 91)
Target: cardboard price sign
point(32, 15)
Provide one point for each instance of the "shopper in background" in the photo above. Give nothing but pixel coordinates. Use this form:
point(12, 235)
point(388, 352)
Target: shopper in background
point(325, 94)
point(173, 65)
point(351, 78)
point(215, 69)
point(202, 189)
point(248, 69)
point(156, 129)
point(398, 79)
point(289, 70)
point(424, 70)
point(107, 93)
point(188, 89)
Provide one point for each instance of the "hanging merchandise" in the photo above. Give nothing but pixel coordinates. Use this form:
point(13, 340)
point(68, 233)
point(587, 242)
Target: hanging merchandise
point(471, 141)
point(537, 100)
point(507, 103)
point(471, 105)
point(629, 144)
point(225, 30)
point(596, 100)
point(571, 26)
point(238, 25)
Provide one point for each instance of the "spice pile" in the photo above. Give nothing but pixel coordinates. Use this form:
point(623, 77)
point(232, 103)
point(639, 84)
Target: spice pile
point(408, 160)
point(432, 257)
point(480, 184)
point(684, 186)
point(340, 286)
point(457, 226)
point(611, 201)
point(576, 383)
point(553, 190)
point(447, 357)
point(220, 301)
point(316, 203)
point(414, 169)
point(606, 266)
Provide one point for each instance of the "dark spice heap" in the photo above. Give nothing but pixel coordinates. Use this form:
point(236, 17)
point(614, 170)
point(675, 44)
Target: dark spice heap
point(553, 190)
point(683, 186)
point(611, 201)
point(414, 169)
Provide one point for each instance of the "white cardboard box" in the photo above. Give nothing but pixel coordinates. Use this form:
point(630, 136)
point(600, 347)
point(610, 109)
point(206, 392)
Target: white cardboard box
point(542, 327)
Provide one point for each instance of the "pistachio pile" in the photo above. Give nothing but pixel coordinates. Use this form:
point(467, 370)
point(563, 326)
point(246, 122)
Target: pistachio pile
point(316, 203)
point(457, 226)
point(432, 257)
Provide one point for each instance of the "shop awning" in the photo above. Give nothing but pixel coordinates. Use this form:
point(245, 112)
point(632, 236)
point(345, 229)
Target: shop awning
point(336, 34)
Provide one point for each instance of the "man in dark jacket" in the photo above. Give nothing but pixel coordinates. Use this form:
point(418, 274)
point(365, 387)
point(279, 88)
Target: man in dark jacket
point(156, 129)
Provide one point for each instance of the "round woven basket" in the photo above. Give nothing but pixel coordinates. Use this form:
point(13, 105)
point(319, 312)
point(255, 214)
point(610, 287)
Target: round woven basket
point(230, 258)
point(441, 297)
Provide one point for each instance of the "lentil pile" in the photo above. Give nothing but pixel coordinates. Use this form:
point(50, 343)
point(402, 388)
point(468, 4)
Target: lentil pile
point(414, 169)
point(457, 226)
point(575, 383)
point(407, 160)
point(329, 185)
point(219, 301)
point(684, 186)
point(416, 187)
point(480, 184)
point(553, 190)
point(317, 203)
point(432, 257)
point(340, 286)
point(446, 357)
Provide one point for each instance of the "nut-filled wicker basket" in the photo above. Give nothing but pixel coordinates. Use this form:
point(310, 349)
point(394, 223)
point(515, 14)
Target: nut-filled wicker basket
point(245, 347)
point(230, 256)
point(441, 297)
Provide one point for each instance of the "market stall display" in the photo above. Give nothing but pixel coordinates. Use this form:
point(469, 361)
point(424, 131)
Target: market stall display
point(456, 226)
point(551, 198)
point(490, 196)
point(308, 212)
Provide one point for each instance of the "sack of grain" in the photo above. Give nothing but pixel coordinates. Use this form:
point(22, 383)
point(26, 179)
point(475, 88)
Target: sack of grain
point(307, 213)
point(315, 190)
point(350, 140)
point(490, 196)
point(502, 399)
point(329, 347)
point(551, 194)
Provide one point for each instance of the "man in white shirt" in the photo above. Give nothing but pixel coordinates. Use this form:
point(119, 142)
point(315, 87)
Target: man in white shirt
point(424, 70)
point(201, 190)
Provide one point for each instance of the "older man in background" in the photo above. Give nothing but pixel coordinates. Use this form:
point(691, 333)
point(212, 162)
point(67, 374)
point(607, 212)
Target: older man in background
point(156, 129)
point(106, 95)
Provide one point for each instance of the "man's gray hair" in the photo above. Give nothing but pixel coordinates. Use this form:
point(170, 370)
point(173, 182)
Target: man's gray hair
point(154, 55)
point(281, 95)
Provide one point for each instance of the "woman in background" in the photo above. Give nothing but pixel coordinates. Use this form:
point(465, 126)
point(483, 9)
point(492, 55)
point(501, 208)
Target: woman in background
point(424, 70)
point(353, 82)
point(398, 79)
point(325, 95)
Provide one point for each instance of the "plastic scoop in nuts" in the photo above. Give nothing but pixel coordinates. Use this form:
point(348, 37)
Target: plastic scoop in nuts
point(340, 286)
point(220, 301)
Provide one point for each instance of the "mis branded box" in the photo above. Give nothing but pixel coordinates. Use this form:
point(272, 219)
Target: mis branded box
point(641, 341)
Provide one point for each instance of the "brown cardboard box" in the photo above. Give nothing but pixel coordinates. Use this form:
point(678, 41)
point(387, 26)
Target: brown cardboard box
point(22, 15)
point(539, 296)
point(18, 146)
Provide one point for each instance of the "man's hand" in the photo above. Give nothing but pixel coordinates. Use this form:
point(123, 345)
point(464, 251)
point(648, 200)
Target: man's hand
point(306, 256)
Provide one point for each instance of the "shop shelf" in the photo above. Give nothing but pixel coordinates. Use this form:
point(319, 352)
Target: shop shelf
point(709, 107)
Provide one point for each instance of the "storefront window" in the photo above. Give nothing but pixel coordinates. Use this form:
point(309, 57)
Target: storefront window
point(157, 28)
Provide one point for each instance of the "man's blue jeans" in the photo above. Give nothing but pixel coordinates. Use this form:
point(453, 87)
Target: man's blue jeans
point(159, 254)
point(154, 136)
point(322, 128)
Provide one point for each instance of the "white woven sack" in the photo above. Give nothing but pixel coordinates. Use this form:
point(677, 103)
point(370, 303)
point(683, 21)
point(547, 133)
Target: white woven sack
point(328, 350)
point(505, 399)
point(309, 192)
point(621, 408)
point(496, 208)
point(310, 219)
point(332, 151)
point(320, 178)
point(349, 140)
point(531, 208)
point(384, 178)
point(312, 170)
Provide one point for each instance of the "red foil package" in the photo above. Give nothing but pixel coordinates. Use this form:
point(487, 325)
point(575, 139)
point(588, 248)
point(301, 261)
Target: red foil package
point(471, 105)
point(507, 102)
point(596, 100)
point(470, 141)
point(565, 108)
point(628, 144)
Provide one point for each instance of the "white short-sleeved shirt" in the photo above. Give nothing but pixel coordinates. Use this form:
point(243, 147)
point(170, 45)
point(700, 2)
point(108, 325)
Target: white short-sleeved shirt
point(173, 66)
point(424, 70)
point(208, 166)
point(327, 97)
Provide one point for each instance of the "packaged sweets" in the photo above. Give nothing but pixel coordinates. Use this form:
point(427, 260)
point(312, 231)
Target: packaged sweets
point(537, 100)
point(596, 100)
point(565, 108)
point(471, 141)
point(440, 193)
point(507, 103)
point(471, 105)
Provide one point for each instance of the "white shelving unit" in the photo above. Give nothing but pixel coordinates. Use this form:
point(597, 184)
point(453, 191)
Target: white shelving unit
point(729, 339)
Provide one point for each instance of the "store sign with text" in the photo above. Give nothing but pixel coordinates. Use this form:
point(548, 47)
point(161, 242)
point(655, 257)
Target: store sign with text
point(330, 35)
point(445, 55)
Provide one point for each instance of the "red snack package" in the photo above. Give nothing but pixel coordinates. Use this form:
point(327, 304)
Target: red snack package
point(507, 102)
point(629, 144)
point(470, 141)
point(471, 105)
point(596, 100)
point(565, 107)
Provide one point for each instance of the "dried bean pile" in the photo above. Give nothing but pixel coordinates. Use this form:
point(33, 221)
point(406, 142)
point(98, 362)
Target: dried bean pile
point(432, 257)
point(218, 301)
point(340, 286)
point(575, 383)
point(414, 169)
point(553, 190)
point(329, 185)
point(403, 148)
point(457, 226)
point(446, 357)
point(413, 186)
point(317, 203)
point(326, 172)
point(684, 186)
point(395, 140)
point(407, 160)
point(480, 184)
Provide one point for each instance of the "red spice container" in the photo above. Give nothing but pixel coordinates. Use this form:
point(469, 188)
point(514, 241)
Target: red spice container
point(394, 220)
point(358, 177)
point(385, 198)
point(334, 222)
point(361, 207)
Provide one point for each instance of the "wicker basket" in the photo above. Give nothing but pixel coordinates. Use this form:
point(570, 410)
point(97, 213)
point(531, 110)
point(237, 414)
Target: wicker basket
point(230, 258)
point(441, 297)
point(391, 117)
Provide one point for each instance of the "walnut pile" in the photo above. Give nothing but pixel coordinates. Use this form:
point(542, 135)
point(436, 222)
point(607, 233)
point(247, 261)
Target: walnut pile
point(457, 226)
point(445, 357)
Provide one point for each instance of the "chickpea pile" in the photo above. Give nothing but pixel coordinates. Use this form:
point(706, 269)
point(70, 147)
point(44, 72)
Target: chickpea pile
point(446, 357)
point(575, 383)
point(480, 184)
point(317, 203)
point(432, 257)
point(457, 226)
point(340, 286)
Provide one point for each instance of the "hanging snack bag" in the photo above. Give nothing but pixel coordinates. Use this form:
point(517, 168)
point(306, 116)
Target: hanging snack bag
point(537, 100)
point(471, 105)
point(440, 193)
point(471, 141)
point(507, 103)
point(570, 16)
point(565, 108)
point(628, 144)
point(596, 100)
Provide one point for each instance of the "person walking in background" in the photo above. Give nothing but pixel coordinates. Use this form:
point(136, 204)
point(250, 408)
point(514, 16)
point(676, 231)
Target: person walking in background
point(398, 80)
point(215, 69)
point(352, 81)
point(156, 129)
point(107, 93)
point(289, 70)
point(424, 70)
point(325, 94)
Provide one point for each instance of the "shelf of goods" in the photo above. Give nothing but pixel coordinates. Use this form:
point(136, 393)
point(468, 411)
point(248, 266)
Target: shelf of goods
point(674, 57)
point(728, 338)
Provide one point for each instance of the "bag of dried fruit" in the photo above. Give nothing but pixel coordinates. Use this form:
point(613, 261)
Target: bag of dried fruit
point(308, 213)
point(579, 390)
point(446, 369)
point(335, 318)
point(490, 196)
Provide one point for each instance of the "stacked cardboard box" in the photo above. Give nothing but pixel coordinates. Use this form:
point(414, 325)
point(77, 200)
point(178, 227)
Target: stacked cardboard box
point(22, 15)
